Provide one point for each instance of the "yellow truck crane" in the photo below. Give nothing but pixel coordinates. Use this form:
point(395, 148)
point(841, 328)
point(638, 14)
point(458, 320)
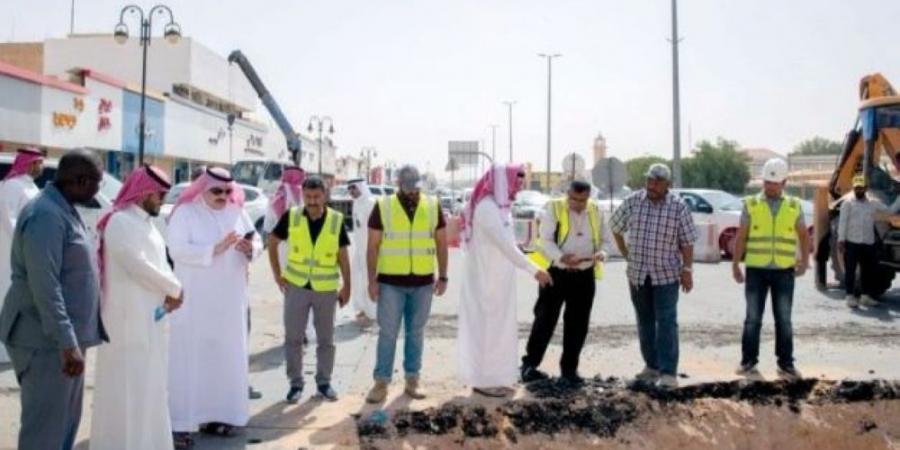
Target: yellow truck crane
point(872, 149)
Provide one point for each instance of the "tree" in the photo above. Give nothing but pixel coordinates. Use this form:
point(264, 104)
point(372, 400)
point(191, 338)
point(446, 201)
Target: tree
point(636, 168)
point(818, 146)
point(716, 165)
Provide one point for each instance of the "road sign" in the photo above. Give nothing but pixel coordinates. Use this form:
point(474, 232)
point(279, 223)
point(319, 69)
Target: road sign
point(465, 153)
point(609, 175)
point(573, 165)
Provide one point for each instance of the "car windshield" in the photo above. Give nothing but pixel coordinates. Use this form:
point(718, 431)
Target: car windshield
point(248, 172)
point(723, 200)
point(174, 193)
point(340, 191)
point(110, 186)
point(533, 198)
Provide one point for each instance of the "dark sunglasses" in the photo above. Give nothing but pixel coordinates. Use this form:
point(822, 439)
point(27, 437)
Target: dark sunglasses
point(219, 191)
point(521, 174)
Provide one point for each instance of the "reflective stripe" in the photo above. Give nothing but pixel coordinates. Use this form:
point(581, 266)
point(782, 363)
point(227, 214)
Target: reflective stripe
point(407, 251)
point(769, 240)
point(334, 224)
point(412, 234)
point(790, 241)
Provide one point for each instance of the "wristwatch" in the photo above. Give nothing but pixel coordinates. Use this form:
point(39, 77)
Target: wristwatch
point(687, 269)
point(444, 279)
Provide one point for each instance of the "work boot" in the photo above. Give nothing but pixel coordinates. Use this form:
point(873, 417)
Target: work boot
point(865, 300)
point(378, 393)
point(412, 388)
point(852, 301)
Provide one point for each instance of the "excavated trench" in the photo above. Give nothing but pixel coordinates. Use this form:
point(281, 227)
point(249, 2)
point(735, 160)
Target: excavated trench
point(607, 413)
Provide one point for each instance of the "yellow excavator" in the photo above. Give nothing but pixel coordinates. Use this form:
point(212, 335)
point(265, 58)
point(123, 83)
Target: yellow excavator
point(871, 149)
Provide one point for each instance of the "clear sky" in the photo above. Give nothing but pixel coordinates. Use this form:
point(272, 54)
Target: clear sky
point(407, 76)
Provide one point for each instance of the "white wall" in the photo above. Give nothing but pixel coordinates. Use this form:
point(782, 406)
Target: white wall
point(187, 62)
point(20, 111)
point(198, 133)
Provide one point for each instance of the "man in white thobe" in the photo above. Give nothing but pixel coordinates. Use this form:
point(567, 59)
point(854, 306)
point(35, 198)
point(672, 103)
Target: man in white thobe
point(130, 389)
point(488, 330)
point(363, 203)
point(16, 189)
point(212, 241)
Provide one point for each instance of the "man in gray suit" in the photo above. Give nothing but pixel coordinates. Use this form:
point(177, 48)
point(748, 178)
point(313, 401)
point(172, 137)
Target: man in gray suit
point(51, 313)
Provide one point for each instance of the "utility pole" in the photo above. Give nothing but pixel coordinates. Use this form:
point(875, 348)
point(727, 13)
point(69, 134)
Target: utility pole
point(676, 101)
point(493, 141)
point(509, 105)
point(549, 58)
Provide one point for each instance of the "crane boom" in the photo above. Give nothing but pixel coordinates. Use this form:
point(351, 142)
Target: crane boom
point(293, 139)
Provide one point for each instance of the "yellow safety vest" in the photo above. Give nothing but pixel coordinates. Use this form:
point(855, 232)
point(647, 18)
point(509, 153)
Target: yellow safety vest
point(407, 248)
point(561, 212)
point(315, 264)
point(772, 239)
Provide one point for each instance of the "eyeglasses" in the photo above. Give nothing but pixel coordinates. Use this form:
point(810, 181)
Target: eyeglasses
point(219, 191)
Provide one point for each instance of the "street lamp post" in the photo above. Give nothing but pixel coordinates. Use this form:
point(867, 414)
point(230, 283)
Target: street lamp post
point(549, 58)
point(172, 33)
point(494, 141)
point(676, 102)
point(368, 153)
point(509, 105)
point(320, 122)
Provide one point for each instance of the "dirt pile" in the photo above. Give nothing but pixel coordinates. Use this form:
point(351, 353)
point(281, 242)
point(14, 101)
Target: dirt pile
point(619, 414)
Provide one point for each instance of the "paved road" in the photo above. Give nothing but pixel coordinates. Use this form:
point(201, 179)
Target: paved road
point(831, 341)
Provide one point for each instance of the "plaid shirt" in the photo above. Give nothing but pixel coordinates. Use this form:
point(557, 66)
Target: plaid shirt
point(656, 233)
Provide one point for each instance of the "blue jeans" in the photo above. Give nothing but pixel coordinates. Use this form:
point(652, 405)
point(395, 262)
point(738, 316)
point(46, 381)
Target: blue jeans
point(757, 285)
point(656, 308)
point(412, 305)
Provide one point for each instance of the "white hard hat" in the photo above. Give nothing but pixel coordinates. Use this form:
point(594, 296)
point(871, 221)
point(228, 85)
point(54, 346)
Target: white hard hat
point(775, 170)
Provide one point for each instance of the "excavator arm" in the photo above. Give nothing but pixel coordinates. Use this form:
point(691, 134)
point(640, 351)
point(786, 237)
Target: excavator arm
point(293, 139)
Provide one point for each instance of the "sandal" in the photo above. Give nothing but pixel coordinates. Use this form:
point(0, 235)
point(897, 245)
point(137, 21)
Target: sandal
point(182, 440)
point(217, 429)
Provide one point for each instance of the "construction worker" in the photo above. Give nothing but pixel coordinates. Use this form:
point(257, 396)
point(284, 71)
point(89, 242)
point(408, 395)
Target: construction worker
point(570, 247)
point(406, 232)
point(317, 259)
point(770, 233)
point(856, 242)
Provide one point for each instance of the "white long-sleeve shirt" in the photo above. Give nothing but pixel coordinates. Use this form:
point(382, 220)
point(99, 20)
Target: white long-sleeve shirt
point(856, 223)
point(579, 242)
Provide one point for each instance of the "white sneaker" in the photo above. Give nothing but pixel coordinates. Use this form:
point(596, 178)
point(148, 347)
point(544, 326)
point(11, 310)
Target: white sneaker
point(852, 301)
point(668, 382)
point(747, 370)
point(865, 300)
point(648, 375)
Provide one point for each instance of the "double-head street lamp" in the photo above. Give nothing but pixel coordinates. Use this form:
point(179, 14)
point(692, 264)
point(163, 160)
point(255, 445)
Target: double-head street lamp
point(367, 153)
point(320, 123)
point(172, 33)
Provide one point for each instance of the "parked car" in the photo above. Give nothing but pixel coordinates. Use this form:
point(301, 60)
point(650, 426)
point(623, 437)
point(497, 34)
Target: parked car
point(264, 174)
point(724, 210)
point(255, 204)
point(90, 213)
point(529, 204)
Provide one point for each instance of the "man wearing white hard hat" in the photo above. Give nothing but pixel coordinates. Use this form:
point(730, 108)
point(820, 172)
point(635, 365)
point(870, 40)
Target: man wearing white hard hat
point(771, 231)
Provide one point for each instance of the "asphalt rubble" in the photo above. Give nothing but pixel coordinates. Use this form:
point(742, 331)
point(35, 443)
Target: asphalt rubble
point(602, 406)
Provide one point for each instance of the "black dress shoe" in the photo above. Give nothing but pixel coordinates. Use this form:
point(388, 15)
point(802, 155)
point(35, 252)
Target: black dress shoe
point(531, 374)
point(572, 379)
point(293, 395)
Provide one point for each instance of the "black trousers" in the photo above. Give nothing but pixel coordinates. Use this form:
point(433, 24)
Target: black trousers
point(575, 289)
point(863, 255)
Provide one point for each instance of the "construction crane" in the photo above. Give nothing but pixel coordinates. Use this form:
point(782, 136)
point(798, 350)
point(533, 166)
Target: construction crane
point(293, 139)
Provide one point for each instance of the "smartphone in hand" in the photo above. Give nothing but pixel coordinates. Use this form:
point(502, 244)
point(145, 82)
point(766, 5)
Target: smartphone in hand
point(249, 235)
